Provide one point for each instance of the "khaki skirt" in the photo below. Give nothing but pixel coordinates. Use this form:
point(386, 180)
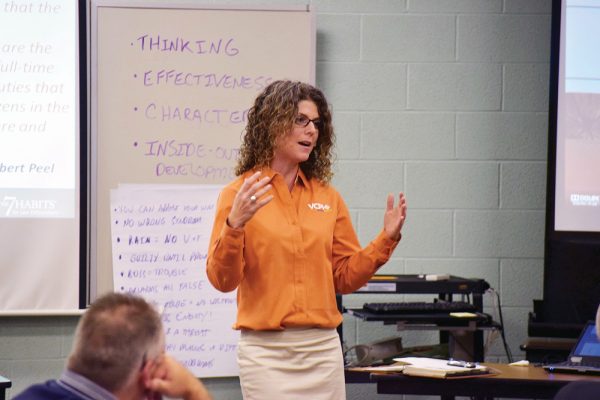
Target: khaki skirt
point(291, 364)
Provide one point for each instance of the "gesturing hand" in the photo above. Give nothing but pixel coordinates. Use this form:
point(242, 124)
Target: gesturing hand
point(394, 217)
point(249, 200)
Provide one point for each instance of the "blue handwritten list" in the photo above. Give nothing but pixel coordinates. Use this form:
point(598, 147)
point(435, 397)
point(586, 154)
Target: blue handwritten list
point(160, 237)
point(193, 105)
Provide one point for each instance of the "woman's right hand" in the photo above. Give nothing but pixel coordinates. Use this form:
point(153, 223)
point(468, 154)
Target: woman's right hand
point(249, 200)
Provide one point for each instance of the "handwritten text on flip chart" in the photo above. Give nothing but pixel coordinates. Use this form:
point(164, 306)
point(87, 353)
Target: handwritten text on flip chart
point(160, 237)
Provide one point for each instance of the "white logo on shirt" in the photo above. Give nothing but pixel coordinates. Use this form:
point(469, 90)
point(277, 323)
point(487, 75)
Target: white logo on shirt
point(319, 207)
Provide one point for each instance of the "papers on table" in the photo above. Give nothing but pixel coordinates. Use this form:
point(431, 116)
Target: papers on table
point(426, 367)
point(436, 368)
point(398, 367)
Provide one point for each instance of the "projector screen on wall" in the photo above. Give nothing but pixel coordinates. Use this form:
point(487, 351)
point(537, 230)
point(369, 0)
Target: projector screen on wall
point(572, 244)
point(39, 155)
point(577, 191)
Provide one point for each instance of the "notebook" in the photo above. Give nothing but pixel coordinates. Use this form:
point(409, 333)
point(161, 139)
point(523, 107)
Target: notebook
point(585, 355)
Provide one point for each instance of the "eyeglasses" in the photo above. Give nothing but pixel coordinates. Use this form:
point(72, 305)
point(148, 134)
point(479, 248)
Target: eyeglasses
point(303, 120)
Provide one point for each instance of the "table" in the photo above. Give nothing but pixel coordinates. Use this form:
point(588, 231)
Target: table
point(510, 382)
point(4, 384)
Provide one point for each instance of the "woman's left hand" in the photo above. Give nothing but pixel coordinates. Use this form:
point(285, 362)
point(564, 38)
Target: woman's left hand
point(394, 217)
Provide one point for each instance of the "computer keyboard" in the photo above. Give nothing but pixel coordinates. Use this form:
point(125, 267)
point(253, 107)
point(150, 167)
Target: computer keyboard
point(418, 307)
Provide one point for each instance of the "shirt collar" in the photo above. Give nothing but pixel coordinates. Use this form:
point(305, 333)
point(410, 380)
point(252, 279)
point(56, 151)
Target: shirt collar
point(301, 177)
point(268, 171)
point(83, 387)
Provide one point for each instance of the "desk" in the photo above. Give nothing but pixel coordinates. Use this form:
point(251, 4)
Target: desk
point(511, 382)
point(4, 384)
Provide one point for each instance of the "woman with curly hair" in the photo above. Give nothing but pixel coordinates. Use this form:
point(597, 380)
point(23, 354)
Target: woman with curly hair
point(283, 237)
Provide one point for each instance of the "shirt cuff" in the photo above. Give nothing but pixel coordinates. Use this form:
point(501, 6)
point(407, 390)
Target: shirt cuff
point(228, 231)
point(385, 245)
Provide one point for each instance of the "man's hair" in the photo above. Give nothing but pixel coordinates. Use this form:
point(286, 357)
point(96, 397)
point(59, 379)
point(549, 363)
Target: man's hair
point(272, 116)
point(113, 338)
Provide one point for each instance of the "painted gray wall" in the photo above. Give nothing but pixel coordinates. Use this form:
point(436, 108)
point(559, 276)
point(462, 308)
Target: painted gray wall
point(445, 100)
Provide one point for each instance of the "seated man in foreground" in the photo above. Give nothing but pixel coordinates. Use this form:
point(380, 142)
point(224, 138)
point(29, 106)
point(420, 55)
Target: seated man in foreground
point(118, 353)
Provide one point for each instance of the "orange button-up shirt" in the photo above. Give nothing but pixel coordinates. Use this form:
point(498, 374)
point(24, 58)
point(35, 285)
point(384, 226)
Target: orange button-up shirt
point(292, 256)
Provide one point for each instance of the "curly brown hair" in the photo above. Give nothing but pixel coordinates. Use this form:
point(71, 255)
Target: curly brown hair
point(272, 116)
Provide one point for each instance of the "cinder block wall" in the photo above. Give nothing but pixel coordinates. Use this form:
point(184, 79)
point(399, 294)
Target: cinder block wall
point(445, 100)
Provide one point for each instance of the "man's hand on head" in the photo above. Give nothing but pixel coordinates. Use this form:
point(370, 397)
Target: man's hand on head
point(170, 378)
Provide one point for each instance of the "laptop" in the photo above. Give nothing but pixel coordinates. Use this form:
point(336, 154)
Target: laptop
point(585, 355)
